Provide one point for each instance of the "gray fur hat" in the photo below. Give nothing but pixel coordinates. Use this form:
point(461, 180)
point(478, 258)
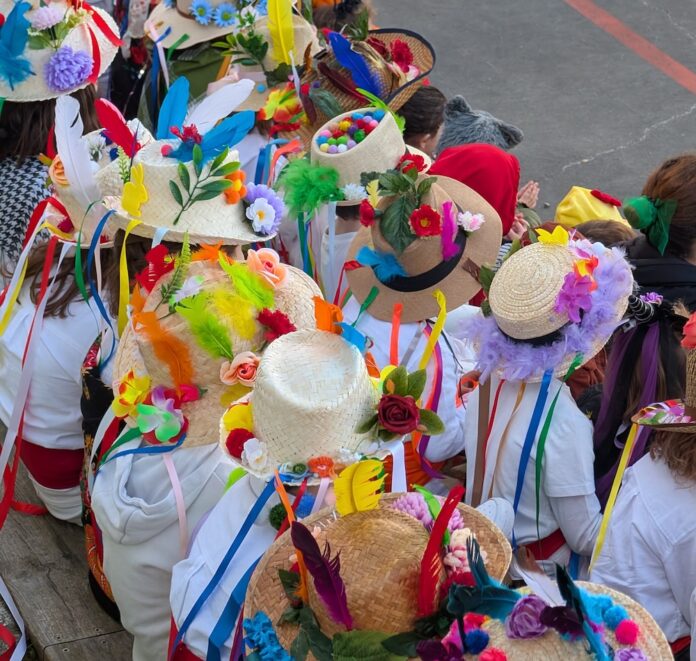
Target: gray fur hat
point(464, 125)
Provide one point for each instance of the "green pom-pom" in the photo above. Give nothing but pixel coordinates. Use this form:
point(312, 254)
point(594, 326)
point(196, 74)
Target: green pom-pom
point(359, 135)
point(307, 187)
point(276, 516)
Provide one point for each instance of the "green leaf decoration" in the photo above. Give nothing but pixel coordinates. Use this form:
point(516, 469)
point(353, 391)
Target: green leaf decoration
point(176, 193)
point(224, 170)
point(424, 187)
point(359, 30)
point(326, 102)
point(279, 75)
point(218, 160)
point(434, 508)
point(355, 645)
point(205, 195)
point(184, 176)
point(394, 182)
point(416, 384)
point(299, 650)
point(395, 225)
point(386, 436)
point(197, 158)
point(217, 186)
point(366, 425)
point(396, 382)
point(486, 276)
point(431, 422)
point(367, 177)
point(210, 333)
point(124, 165)
point(378, 103)
point(290, 581)
point(403, 644)
point(319, 644)
point(485, 308)
point(179, 275)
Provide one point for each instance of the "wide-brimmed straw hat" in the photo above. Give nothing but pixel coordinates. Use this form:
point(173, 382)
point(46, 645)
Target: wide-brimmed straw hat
point(553, 304)
point(442, 256)
point(185, 334)
point(66, 46)
point(380, 561)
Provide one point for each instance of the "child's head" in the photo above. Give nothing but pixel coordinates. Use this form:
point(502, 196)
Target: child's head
point(678, 451)
point(335, 15)
point(424, 113)
point(608, 232)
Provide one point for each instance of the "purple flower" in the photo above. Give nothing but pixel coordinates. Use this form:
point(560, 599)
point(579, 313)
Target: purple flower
point(525, 619)
point(574, 296)
point(46, 17)
point(651, 297)
point(68, 69)
point(256, 191)
point(629, 654)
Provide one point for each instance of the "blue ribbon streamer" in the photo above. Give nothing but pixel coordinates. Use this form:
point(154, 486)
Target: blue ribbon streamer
point(148, 449)
point(529, 442)
point(154, 75)
point(263, 163)
point(268, 491)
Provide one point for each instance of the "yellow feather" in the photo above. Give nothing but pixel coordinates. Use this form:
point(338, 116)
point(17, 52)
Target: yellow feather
point(281, 29)
point(358, 488)
point(373, 193)
point(237, 312)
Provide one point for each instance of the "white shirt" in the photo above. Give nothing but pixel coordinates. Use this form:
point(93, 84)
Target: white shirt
point(650, 549)
point(331, 269)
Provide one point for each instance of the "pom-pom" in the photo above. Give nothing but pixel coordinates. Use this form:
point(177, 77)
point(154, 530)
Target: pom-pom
point(277, 515)
point(68, 69)
point(476, 641)
point(493, 654)
point(627, 633)
point(307, 186)
point(614, 615)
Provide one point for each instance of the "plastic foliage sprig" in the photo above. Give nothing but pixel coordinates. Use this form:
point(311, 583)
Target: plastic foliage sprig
point(124, 165)
point(182, 262)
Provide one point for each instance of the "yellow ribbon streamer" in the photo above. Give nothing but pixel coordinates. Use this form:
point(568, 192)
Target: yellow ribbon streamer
point(13, 295)
point(437, 329)
point(124, 284)
point(625, 456)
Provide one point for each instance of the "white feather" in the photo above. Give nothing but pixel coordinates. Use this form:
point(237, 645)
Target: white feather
point(218, 105)
point(74, 152)
point(538, 582)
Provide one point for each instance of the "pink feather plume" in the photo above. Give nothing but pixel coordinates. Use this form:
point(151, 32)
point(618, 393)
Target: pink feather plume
point(449, 231)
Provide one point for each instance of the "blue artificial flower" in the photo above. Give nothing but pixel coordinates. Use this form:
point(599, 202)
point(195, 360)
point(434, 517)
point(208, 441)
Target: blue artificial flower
point(201, 11)
point(261, 637)
point(224, 15)
point(262, 7)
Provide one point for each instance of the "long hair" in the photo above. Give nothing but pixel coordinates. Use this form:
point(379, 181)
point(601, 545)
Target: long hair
point(678, 451)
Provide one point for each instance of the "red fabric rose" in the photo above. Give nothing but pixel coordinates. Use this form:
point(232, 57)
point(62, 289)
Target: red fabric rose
point(379, 46)
point(605, 197)
point(410, 161)
point(158, 265)
point(367, 214)
point(401, 54)
point(276, 324)
point(425, 221)
point(236, 440)
point(397, 414)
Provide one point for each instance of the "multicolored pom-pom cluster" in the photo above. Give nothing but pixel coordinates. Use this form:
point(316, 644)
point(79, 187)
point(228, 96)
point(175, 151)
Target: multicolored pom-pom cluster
point(340, 137)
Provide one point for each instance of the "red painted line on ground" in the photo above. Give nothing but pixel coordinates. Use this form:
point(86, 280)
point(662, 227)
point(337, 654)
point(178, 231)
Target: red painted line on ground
point(633, 41)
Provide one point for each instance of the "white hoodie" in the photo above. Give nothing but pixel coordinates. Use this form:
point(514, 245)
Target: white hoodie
point(135, 508)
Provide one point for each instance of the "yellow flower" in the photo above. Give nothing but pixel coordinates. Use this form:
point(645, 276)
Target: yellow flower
point(134, 192)
point(239, 416)
point(131, 391)
point(559, 236)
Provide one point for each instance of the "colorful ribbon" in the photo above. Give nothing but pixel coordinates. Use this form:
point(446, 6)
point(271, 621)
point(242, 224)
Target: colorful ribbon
point(437, 329)
point(124, 281)
point(652, 217)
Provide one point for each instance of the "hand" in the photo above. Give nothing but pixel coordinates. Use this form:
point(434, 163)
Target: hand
point(529, 194)
point(519, 228)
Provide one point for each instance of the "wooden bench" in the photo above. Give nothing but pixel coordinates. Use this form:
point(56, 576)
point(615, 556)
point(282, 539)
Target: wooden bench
point(43, 563)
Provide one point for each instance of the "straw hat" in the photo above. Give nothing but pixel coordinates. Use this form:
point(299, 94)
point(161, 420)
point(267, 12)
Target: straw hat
point(50, 66)
point(312, 390)
point(235, 312)
point(422, 260)
point(582, 204)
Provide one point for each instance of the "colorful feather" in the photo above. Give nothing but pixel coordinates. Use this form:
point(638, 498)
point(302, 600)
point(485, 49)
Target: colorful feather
point(355, 63)
point(326, 102)
point(449, 231)
point(281, 30)
point(307, 186)
point(168, 348)
point(342, 82)
point(536, 579)
point(218, 105)
point(249, 285)
point(14, 33)
point(237, 311)
point(431, 563)
point(385, 264)
point(209, 332)
point(378, 103)
point(173, 109)
point(227, 134)
point(326, 573)
point(115, 127)
point(358, 487)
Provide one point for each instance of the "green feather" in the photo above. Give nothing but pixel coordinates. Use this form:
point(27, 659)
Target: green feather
point(209, 332)
point(307, 187)
point(380, 105)
point(248, 284)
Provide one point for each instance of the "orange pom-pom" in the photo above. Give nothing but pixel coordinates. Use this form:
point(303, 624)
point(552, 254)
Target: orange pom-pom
point(232, 196)
point(627, 632)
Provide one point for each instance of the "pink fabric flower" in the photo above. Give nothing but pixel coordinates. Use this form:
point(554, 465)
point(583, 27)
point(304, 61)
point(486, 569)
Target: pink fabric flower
point(266, 263)
point(241, 370)
point(574, 297)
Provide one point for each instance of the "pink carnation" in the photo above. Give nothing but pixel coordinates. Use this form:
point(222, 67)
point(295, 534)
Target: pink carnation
point(46, 17)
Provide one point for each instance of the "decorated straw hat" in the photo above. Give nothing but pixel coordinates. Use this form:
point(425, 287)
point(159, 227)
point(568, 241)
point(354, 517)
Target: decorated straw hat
point(552, 304)
point(383, 592)
point(420, 234)
point(53, 48)
point(581, 205)
point(676, 415)
point(192, 319)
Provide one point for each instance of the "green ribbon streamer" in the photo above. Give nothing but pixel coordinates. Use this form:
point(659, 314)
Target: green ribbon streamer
point(131, 434)
point(652, 217)
point(79, 271)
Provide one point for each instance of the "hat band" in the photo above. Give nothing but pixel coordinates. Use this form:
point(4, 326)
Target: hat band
point(432, 277)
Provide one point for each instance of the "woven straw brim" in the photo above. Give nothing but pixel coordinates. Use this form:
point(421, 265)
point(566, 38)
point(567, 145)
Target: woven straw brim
point(651, 641)
point(676, 427)
point(163, 17)
point(458, 287)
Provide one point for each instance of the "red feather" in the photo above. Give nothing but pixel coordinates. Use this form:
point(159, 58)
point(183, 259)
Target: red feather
point(115, 127)
point(339, 80)
point(431, 563)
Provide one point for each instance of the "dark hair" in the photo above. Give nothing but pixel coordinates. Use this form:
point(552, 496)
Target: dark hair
point(608, 232)
point(424, 112)
point(678, 451)
point(336, 15)
point(24, 127)
point(675, 180)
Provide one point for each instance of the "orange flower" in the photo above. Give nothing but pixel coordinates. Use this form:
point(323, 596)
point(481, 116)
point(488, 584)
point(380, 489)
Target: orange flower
point(241, 370)
point(56, 172)
point(266, 263)
point(321, 466)
point(237, 190)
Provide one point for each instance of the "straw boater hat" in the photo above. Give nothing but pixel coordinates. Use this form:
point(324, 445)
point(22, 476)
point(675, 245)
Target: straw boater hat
point(56, 48)
point(449, 235)
point(553, 304)
point(198, 332)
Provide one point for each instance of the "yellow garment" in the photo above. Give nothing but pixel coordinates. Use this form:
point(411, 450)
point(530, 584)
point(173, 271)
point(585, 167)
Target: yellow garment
point(579, 206)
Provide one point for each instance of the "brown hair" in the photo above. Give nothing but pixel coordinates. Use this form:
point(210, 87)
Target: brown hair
point(424, 112)
point(675, 180)
point(24, 127)
point(336, 15)
point(608, 232)
point(678, 451)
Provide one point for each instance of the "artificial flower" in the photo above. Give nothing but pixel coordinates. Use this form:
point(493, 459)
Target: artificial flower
point(261, 637)
point(585, 267)
point(408, 162)
point(262, 217)
point(191, 287)
point(242, 369)
point(413, 504)
point(188, 133)
point(574, 297)
point(159, 263)
point(425, 221)
point(97, 147)
point(493, 654)
point(367, 214)
point(629, 654)
point(689, 340)
point(266, 263)
point(235, 441)
point(321, 466)
point(224, 15)
point(525, 619)
point(239, 416)
point(201, 11)
point(354, 192)
point(237, 190)
point(250, 14)
point(160, 421)
point(457, 558)
point(56, 172)
point(46, 17)
point(470, 222)
point(559, 236)
point(276, 323)
point(273, 209)
point(401, 54)
point(255, 454)
point(651, 297)
point(130, 392)
point(379, 46)
point(453, 638)
point(134, 191)
point(68, 69)
point(398, 414)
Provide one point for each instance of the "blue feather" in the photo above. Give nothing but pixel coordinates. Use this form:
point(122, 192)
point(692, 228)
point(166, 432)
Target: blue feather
point(353, 336)
point(173, 109)
point(227, 133)
point(385, 265)
point(13, 40)
point(355, 63)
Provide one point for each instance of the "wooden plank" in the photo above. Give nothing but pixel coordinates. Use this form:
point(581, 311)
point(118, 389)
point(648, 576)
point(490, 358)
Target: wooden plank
point(111, 647)
point(43, 562)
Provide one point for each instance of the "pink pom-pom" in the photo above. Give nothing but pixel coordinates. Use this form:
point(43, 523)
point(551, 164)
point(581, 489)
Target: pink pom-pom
point(493, 654)
point(166, 150)
point(627, 633)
